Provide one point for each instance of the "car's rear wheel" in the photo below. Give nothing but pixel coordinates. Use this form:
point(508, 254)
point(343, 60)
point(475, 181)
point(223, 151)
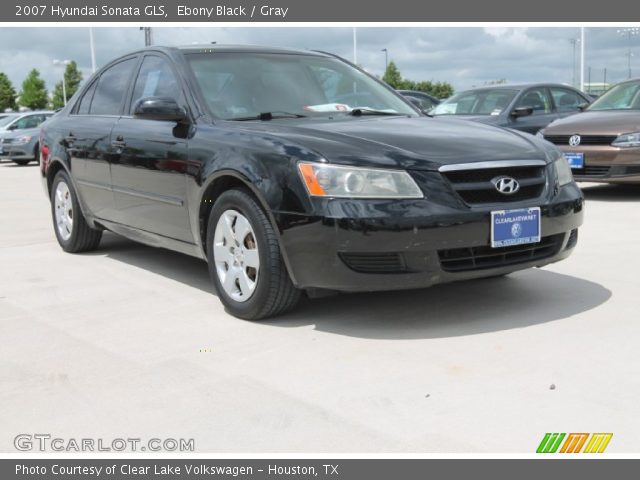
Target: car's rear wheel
point(245, 261)
point(72, 231)
point(21, 162)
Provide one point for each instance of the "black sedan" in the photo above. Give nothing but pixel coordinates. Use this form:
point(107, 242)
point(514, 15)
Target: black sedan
point(293, 170)
point(527, 108)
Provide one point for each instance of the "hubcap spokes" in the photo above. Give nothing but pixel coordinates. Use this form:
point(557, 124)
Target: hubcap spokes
point(63, 211)
point(235, 254)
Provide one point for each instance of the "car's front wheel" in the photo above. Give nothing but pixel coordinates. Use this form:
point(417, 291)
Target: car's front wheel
point(245, 261)
point(72, 231)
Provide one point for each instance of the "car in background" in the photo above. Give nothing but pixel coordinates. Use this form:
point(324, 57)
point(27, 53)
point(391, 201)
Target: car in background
point(19, 135)
point(603, 143)
point(422, 100)
point(527, 107)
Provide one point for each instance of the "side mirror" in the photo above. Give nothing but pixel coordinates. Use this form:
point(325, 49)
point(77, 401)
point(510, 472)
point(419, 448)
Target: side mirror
point(583, 106)
point(12, 127)
point(522, 112)
point(159, 108)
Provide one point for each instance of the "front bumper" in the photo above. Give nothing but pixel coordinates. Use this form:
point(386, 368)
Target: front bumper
point(404, 244)
point(17, 152)
point(607, 164)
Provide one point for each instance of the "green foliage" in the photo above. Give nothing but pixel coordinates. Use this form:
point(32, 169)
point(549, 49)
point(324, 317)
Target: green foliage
point(34, 92)
point(7, 93)
point(394, 79)
point(73, 79)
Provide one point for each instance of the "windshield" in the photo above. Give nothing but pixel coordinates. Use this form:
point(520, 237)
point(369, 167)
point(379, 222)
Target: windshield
point(245, 85)
point(7, 119)
point(476, 102)
point(624, 96)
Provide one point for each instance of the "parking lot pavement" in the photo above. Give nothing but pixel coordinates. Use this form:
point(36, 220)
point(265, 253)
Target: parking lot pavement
point(130, 342)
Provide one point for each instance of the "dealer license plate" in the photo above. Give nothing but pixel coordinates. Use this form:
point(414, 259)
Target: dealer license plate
point(576, 160)
point(515, 227)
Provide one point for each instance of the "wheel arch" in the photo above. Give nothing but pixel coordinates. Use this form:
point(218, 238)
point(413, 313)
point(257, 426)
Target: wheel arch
point(221, 182)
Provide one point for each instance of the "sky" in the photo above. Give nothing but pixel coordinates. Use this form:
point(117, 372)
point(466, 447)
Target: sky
point(463, 56)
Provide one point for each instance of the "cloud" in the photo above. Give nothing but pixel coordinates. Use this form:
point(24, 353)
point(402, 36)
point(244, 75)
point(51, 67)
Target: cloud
point(464, 56)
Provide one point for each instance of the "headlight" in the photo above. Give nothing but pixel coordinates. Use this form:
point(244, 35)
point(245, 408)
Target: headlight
point(539, 134)
point(323, 180)
point(563, 170)
point(23, 140)
point(627, 140)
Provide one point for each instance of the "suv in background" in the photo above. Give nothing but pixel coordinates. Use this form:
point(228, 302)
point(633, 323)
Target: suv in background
point(422, 100)
point(19, 136)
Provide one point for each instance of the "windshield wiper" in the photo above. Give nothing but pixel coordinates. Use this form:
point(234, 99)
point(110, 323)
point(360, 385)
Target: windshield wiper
point(269, 116)
point(357, 112)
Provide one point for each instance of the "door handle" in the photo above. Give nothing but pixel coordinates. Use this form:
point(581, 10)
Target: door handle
point(118, 144)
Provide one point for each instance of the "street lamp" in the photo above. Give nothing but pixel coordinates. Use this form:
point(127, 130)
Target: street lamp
point(629, 32)
point(574, 42)
point(64, 64)
point(386, 58)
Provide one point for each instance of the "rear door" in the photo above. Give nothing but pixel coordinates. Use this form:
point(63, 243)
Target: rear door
point(86, 133)
point(539, 100)
point(148, 171)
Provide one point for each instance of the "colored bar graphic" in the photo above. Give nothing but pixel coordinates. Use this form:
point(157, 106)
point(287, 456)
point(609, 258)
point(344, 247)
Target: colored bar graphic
point(550, 442)
point(574, 443)
point(598, 442)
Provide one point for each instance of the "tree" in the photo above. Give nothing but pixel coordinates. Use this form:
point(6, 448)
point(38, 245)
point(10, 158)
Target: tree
point(394, 79)
point(7, 93)
point(392, 76)
point(34, 92)
point(72, 79)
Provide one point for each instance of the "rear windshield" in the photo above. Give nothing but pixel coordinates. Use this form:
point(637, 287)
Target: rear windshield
point(239, 85)
point(476, 102)
point(624, 96)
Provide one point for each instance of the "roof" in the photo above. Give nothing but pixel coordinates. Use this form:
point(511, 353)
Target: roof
point(520, 86)
point(214, 47)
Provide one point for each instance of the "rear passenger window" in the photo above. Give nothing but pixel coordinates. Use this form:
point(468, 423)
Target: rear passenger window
point(156, 79)
point(566, 100)
point(85, 102)
point(111, 88)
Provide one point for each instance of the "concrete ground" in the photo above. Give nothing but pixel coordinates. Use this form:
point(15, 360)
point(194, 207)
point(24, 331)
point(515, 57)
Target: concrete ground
point(130, 342)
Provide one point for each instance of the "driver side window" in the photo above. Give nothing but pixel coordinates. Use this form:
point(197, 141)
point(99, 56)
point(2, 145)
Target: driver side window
point(537, 99)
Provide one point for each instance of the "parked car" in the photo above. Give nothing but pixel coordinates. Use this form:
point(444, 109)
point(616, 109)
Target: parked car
point(603, 143)
point(527, 108)
point(422, 100)
point(269, 164)
point(19, 136)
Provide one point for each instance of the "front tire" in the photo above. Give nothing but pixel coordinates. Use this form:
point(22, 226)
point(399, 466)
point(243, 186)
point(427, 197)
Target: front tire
point(245, 262)
point(72, 231)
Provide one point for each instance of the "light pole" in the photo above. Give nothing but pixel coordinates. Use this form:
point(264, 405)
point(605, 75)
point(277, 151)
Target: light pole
point(574, 42)
point(63, 63)
point(629, 32)
point(386, 59)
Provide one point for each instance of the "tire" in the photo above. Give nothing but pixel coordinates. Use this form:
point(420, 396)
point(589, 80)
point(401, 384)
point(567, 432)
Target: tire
point(247, 255)
point(21, 162)
point(72, 231)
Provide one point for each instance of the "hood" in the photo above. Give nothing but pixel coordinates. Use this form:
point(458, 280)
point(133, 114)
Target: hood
point(605, 122)
point(404, 142)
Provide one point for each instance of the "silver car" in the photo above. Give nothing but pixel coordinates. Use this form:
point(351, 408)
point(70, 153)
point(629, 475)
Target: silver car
point(19, 135)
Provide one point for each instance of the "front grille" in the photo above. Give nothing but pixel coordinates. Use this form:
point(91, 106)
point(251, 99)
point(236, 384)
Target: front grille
point(374, 262)
point(476, 186)
point(480, 258)
point(584, 140)
point(591, 171)
point(6, 141)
